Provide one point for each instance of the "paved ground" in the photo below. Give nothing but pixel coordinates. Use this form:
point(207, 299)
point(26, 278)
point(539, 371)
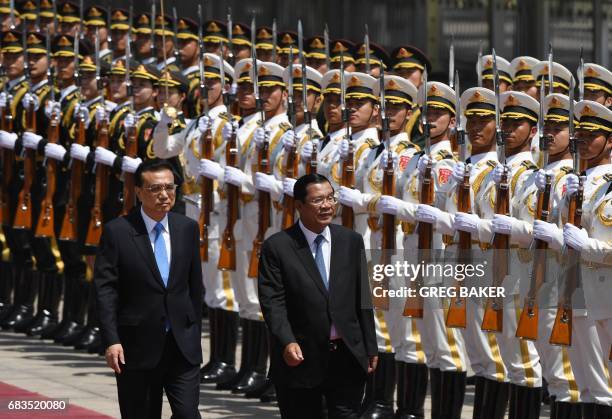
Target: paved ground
point(60, 372)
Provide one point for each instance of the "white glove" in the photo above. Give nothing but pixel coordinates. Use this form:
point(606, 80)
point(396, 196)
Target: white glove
point(384, 159)
point(30, 99)
point(502, 224)
point(427, 214)
point(7, 140)
point(266, 183)
point(540, 179)
point(388, 204)
point(423, 162)
point(575, 237)
point(498, 173)
point(233, 89)
point(204, 123)
point(210, 169)
point(79, 152)
point(228, 129)
point(466, 222)
point(55, 151)
point(101, 114)
point(81, 112)
point(549, 233)
point(260, 136)
point(52, 107)
point(306, 151)
point(31, 140)
point(344, 148)
point(289, 140)
point(129, 121)
point(129, 164)
point(288, 183)
point(104, 156)
point(460, 170)
point(234, 176)
point(572, 184)
point(5, 99)
point(349, 197)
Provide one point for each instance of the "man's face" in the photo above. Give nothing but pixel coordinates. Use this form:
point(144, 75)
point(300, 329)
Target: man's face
point(13, 62)
point(374, 69)
point(188, 49)
point(414, 75)
point(332, 108)
point(528, 87)
point(598, 96)
point(311, 102)
point(592, 143)
point(69, 28)
point(90, 33)
point(361, 112)
point(170, 96)
point(118, 90)
point(264, 54)
point(89, 85)
point(440, 121)
point(503, 85)
point(318, 64)
point(213, 47)
point(144, 92)
point(65, 68)
point(559, 131)
point(38, 64)
point(349, 66)
point(156, 202)
point(120, 39)
point(319, 206)
point(272, 97)
point(241, 52)
point(398, 115)
point(214, 90)
point(143, 44)
point(516, 132)
point(159, 47)
point(480, 130)
point(245, 95)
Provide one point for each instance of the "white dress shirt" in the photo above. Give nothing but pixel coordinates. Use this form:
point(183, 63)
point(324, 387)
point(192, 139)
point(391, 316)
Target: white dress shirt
point(326, 249)
point(150, 224)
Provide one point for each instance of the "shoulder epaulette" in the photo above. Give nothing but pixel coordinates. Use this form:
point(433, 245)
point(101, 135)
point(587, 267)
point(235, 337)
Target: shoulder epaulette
point(402, 145)
point(372, 143)
point(284, 126)
point(529, 165)
point(492, 163)
point(444, 155)
point(225, 116)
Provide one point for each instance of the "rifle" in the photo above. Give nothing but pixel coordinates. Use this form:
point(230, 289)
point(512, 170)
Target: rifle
point(263, 165)
point(388, 188)
point(227, 256)
point(94, 231)
point(348, 164)
point(493, 317)
point(562, 328)
point(131, 143)
point(456, 314)
point(206, 147)
point(414, 305)
point(69, 230)
point(46, 219)
point(292, 158)
point(23, 212)
point(528, 322)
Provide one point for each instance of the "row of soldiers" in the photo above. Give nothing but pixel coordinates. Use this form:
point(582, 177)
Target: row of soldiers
point(78, 118)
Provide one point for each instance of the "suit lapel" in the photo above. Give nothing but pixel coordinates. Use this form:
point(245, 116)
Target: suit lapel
point(334, 274)
point(143, 243)
point(305, 256)
point(174, 245)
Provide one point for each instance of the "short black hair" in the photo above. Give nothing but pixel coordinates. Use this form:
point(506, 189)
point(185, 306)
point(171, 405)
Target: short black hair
point(301, 185)
point(152, 165)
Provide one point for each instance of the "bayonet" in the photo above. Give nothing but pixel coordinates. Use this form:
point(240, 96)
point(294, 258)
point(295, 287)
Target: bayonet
point(230, 36)
point(424, 109)
point(81, 11)
point(479, 65)
point(581, 77)
point(551, 87)
point(343, 95)
point(50, 69)
point(326, 42)
point(109, 37)
point(201, 69)
point(543, 140)
point(24, 45)
point(274, 40)
point(37, 24)
point(258, 104)
point(55, 24)
point(451, 63)
point(304, 79)
point(501, 152)
point(153, 13)
point(128, 57)
point(290, 104)
point(366, 42)
point(97, 53)
point(572, 131)
point(177, 54)
point(460, 130)
point(12, 14)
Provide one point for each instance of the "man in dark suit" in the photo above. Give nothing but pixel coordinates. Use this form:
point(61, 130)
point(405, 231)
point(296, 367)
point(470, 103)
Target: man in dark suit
point(148, 280)
point(315, 298)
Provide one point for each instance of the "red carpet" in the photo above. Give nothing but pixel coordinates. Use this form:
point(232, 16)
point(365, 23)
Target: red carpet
point(8, 393)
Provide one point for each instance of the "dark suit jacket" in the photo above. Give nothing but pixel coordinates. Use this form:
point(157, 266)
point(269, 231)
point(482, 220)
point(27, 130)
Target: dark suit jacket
point(298, 308)
point(133, 303)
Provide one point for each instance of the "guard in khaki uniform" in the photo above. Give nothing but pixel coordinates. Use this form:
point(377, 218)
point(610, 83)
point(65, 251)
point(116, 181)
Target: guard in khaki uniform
point(427, 342)
point(219, 295)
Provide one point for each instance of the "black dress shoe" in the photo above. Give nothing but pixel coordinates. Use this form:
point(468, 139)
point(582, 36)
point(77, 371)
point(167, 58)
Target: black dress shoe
point(206, 369)
point(249, 382)
point(19, 314)
point(68, 330)
point(5, 310)
point(269, 394)
point(44, 322)
point(230, 384)
point(258, 391)
point(379, 411)
point(23, 324)
point(72, 338)
point(95, 346)
point(87, 338)
point(51, 330)
point(223, 372)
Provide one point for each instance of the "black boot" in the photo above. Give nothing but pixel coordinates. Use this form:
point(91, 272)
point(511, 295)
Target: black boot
point(226, 346)
point(91, 330)
point(452, 394)
point(7, 285)
point(265, 392)
point(384, 387)
point(588, 410)
point(213, 359)
point(255, 378)
point(22, 307)
point(529, 402)
point(479, 388)
point(495, 399)
point(79, 312)
point(565, 410)
point(67, 325)
point(512, 401)
point(435, 391)
point(411, 390)
point(31, 280)
point(46, 316)
point(603, 412)
point(245, 358)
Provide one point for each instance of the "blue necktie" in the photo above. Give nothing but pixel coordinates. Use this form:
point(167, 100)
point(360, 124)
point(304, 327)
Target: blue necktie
point(161, 254)
point(320, 261)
